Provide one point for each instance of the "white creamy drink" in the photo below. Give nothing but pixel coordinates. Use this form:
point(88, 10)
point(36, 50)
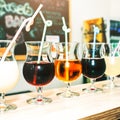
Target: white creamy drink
point(9, 75)
point(112, 66)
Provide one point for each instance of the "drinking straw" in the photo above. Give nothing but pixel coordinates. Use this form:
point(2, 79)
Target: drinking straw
point(117, 48)
point(47, 23)
point(66, 30)
point(96, 31)
point(33, 17)
point(30, 21)
point(14, 39)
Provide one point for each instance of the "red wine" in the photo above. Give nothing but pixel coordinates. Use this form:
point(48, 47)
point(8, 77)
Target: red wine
point(38, 74)
point(93, 68)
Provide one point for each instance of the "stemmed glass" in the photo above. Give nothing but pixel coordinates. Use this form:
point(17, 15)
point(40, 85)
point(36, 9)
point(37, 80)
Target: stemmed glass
point(38, 69)
point(93, 63)
point(68, 66)
point(9, 74)
point(111, 52)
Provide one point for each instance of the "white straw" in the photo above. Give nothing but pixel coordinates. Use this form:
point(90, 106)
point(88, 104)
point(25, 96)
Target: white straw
point(47, 23)
point(42, 42)
point(117, 48)
point(14, 39)
point(33, 17)
point(96, 31)
point(66, 37)
point(41, 14)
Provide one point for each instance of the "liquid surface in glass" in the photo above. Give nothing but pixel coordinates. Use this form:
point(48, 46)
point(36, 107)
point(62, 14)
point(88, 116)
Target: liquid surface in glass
point(68, 70)
point(93, 67)
point(38, 74)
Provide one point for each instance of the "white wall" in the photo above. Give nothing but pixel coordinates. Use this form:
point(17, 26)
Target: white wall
point(114, 9)
point(86, 9)
point(80, 11)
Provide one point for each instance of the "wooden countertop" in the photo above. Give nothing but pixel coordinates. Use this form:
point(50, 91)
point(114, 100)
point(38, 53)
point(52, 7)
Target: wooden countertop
point(94, 106)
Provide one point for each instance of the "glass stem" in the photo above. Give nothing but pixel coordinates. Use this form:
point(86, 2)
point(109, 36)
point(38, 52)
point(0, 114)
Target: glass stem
point(40, 94)
point(92, 84)
point(111, 82)
point(68, 86)
point(2, 101)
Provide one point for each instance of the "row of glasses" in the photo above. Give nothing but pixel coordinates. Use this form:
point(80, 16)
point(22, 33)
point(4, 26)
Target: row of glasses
point(62, 60)
point(99, 59)
point(37, 73)
point(54, 60)
point(69, 66)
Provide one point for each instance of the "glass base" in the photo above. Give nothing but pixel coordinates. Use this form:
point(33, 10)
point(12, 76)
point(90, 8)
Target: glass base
point(92, 90)
point(7, 107)
point(68, 94)
point(109, 85)
point(95, 89)
point(39, 101)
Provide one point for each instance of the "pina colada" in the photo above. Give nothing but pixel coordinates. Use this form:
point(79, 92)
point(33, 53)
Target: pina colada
point(9, 75)
point(112, 66)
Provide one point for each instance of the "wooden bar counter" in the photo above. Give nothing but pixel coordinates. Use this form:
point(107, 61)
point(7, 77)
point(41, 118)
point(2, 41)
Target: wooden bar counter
point(88, 106)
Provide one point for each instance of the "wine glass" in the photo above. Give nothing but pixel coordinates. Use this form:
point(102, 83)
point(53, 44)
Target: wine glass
point(38, 69)
point(93, 63)
point(68, 66)
point(111, 52)
point(9, 74)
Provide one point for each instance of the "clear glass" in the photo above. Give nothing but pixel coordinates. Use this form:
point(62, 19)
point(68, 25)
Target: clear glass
point(111, 52)
point(68, 66)
point(93, 63)
point(9, 75)
point(38, 69)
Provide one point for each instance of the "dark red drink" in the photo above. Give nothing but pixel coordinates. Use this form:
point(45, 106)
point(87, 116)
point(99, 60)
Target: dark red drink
point(93, 67)
point(38, 74)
